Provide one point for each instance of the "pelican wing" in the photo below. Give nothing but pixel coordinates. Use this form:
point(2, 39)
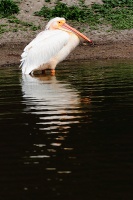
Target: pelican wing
point(40, 50)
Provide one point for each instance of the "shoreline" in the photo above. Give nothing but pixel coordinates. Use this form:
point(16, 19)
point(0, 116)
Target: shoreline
point(10, 52)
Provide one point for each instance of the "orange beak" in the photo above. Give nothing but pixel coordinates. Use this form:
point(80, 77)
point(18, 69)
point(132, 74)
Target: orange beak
point(69, 28)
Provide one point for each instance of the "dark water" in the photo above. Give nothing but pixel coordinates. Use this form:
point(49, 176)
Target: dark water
point(69, 136)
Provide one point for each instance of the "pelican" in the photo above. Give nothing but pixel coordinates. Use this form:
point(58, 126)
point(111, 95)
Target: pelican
point(50, 46)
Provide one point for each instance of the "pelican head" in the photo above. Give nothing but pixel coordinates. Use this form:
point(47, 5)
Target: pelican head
point(60, 23)
point(55, 23)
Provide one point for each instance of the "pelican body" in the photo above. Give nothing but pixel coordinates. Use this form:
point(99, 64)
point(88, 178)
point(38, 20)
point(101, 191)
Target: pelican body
point(50, 47)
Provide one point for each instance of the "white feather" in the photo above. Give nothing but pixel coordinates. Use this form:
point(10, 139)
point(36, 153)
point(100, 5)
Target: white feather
point(39, 51)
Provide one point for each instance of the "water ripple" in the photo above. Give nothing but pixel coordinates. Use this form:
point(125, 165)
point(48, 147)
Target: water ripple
point(54, 102)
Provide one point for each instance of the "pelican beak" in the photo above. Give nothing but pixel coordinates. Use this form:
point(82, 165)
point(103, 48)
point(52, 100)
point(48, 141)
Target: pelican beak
point(66, 27)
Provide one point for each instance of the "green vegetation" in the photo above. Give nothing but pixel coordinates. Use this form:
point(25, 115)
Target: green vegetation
point(8, 7)
point(17, 25)
point(79, 13)
point(7, 10)
point(21, 24)
point(2, 28)
point(118, 13)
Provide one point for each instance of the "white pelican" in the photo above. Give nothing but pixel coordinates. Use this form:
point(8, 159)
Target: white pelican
point(50, 47)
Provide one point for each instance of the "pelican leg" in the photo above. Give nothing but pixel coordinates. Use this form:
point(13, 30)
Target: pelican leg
point(52, 72)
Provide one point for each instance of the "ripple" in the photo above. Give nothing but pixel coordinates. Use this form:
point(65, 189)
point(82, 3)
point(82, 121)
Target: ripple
point(74, 129)
point(39, 156)
point(55, 103)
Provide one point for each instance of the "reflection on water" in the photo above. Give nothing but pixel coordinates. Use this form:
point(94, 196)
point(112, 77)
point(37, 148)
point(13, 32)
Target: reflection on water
point(67, 137)
point(54, 102)
point(56, 105)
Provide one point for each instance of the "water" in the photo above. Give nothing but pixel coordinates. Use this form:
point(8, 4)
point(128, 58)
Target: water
point(69, 136)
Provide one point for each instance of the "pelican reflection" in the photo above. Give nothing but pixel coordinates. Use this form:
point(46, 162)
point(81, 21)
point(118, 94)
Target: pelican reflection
point(55, 102)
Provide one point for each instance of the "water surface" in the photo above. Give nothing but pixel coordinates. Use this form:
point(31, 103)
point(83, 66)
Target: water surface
point(68, 136)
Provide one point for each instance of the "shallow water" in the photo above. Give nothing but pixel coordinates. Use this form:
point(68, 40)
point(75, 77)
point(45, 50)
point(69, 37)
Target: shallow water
point(69, 136)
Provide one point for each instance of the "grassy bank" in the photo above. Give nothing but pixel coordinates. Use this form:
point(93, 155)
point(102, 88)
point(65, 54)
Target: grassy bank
point(117, 13)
